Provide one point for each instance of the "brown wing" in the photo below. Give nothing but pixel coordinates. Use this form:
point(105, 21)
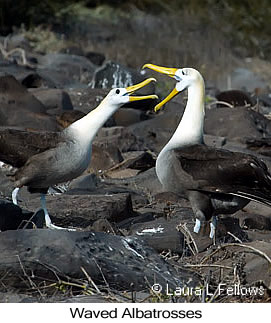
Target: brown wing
point(16, 146)
point(219, 170)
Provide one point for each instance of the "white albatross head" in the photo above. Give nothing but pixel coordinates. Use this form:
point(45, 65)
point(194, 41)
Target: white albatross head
point(185, 77)
point(95, 119)
point(120, 96)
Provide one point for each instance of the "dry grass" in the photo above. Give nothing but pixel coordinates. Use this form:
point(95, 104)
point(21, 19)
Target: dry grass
point(136, 37)
point(169, 40)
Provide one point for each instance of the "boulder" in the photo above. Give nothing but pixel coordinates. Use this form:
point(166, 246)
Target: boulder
point(6, 186)
point(123, 263)
point(87, 183)
point(66, 118)
point(260, 145)
point(86, 99)
point(141, 217)
point(29, 77)
point(34, 80)
point(258, 235)
point(112, 75)
point(257, 268)
point(91, 184)
point(160, 234)
point(236, 98)
point(12, 217)
point(236, 124)
point(82, 210)
point(120, 137)
point(145, 182)
point(127, 116)
point(133, 163)
point(13, 297)
point(103, 157)
point(253, 221)
point(53, 98)
point(252, 261)
point(265, 99)
point(95, 58)
point(57, 79)
point(122, 173)
point(72, 50)
point(20, 108)
point(157, 131)
point(71, 68)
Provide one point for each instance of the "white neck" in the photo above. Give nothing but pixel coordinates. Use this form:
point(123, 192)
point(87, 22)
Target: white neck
point(190, 128)
point(87, 127)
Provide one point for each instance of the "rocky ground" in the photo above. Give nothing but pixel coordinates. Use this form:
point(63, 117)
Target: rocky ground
point(129, 234)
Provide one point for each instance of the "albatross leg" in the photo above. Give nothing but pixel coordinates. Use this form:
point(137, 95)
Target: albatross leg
point(48, 220)
point(201, 207)
point(197, 226)
point(213, 226)
point(14, 195)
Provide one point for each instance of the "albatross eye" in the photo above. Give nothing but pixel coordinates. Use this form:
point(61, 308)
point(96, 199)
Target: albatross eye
point(117, 91)
point(183, 72)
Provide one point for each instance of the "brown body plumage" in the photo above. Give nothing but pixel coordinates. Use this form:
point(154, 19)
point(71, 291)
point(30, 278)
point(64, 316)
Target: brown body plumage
point(214, 180)
point(44, 159)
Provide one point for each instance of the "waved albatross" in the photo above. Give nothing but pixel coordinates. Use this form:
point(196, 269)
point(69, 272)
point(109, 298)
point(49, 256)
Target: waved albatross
point(48, 158)
point(214, 180)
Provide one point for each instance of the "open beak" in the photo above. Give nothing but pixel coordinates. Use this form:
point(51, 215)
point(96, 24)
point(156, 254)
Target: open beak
point(168, 71)
point(171, 95)
point(133, 88)
point(164, 70)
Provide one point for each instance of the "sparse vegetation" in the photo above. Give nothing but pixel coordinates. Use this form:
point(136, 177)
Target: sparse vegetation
point(43, 40)
point(172, 33)
point(137, 31)
point(245, 23)
point(135, 37)
point(214, 32)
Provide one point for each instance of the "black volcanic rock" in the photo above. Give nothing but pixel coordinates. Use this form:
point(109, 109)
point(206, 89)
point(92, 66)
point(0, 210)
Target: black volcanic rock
point(237, 124)
point(53, 98)
point(86, 99)
point(236, 98)
point(123, 263)
point(104, 157)
point(121, 137)
point(12, 217)
point(157, 131)
point(160, 234)
point(20, 108)
point(95, 58)
point(66, 70)
point(253, 221)
point(82, 210)
point(113, 74)
point(126, 116)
